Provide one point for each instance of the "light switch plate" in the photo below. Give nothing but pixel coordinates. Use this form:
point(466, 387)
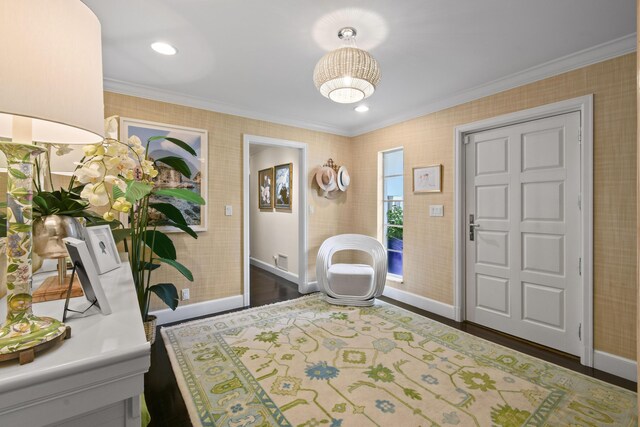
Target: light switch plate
point(436, 210)
point(228, 210)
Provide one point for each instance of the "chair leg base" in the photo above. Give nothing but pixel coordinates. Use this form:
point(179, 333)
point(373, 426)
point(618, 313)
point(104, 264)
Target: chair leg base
point(348, 301)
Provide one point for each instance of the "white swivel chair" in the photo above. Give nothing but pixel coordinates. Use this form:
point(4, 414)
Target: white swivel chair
point(351, 284)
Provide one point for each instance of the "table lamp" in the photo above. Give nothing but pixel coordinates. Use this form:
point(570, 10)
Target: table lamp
point(50, 91)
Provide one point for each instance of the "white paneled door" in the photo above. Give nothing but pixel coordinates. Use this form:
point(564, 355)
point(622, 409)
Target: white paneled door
point(522, 199)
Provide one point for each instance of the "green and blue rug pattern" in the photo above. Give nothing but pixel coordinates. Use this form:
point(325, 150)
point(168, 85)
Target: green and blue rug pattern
point(307, 363)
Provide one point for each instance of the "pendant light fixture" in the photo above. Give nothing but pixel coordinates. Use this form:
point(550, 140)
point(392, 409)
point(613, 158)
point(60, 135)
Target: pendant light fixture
point(348, 74)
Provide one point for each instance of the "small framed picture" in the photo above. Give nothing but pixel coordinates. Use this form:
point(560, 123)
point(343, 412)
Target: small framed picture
point(427, 179)
point(102, 248)
point(265, 189)
point(283, 189)
point(88, 275)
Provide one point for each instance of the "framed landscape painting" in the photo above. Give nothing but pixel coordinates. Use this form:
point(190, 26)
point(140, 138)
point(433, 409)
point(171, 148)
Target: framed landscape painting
point(195, 215)
point(265, 189)
point(283, 189)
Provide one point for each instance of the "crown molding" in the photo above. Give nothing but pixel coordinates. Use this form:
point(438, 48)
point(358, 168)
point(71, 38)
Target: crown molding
point(583, 58)
point(155, 94)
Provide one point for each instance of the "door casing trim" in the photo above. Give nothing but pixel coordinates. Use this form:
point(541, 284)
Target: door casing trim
point(247, 141)
point(584, 105)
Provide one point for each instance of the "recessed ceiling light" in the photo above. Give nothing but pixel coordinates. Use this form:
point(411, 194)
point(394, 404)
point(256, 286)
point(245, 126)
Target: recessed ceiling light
point(361, 108)
point(164, 48)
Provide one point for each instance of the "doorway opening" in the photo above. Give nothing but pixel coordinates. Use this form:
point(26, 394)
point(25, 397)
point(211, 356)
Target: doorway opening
point(274, 209)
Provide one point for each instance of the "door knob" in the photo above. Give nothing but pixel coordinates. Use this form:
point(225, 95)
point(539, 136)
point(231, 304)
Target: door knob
point(472, 227)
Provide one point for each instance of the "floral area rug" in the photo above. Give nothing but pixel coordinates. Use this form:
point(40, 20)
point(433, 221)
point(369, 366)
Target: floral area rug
point(308, 363)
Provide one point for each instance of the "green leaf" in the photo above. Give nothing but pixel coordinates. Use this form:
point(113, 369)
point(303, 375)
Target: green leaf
point(93, 220)
point(170, 211)
point(12, 268)
point(180, 193)
point(16, 173)
point(60, 202)
point(182, 227)
point(412, 394)
point(181, 268)
point(160, 244)
point(117, 192)
point(137, 190)
point(167, 292)
point(120, 234)
point(150, 266)
point(40, 205)
point(177, 164)
point(177, 142)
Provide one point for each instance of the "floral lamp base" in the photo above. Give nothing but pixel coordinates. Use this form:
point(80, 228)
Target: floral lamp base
point(23, 333)
point(21, 343)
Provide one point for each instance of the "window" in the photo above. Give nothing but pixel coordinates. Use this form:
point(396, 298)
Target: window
point(392, 207)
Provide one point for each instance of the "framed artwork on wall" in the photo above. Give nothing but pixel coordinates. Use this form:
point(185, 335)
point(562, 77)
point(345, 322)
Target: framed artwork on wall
point(427, 179)
point(198, 139)
point(283, 189)
point(265, 189)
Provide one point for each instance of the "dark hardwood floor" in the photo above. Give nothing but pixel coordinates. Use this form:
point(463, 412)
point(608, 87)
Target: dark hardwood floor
point(167, 407)
point(161, 391)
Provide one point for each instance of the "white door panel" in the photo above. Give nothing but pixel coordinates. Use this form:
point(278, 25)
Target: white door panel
point(522, 188)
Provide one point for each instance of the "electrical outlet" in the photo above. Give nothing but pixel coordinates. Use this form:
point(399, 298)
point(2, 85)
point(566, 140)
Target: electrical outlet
point(228, 210)
point(185, 294)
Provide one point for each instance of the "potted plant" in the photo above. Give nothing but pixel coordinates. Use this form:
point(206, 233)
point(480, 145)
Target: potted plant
point(56, 212)
point(119, 176)
point(395, 239)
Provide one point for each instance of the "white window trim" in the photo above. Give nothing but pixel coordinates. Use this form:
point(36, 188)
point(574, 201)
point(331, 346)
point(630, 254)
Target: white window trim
point(380, 206)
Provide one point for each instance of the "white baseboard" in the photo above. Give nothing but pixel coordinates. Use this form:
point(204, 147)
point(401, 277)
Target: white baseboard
point(616, 365)
point(418, 301)
point(198, 309)
point(274, 270)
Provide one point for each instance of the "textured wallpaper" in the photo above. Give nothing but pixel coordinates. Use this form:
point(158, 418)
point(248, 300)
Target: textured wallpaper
point(216, 257)
point(429, 241)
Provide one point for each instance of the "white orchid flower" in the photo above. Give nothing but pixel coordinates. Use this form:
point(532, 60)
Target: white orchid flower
point(89, 150)
point(112, 150)
point(90, 173)
point(95, 194)
point(111, 127)
point(134, 141)
point(114, 180)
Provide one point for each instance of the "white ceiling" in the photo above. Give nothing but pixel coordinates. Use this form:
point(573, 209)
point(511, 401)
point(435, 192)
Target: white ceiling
point(255, 58)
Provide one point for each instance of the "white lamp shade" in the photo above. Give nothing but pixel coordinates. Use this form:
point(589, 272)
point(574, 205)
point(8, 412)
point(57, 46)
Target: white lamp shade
point(51, 70)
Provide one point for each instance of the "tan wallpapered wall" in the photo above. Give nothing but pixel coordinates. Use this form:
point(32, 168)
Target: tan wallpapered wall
point(429, 242)
point(216, 257)
point(638, 186)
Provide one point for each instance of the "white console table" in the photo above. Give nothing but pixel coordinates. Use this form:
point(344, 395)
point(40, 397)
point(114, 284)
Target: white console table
point(93, 379)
